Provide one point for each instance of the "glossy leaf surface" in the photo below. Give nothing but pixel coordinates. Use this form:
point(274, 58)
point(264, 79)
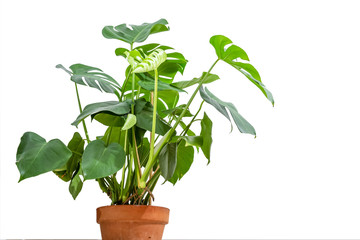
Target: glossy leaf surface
point(206, 131)
point(185, 157)
point(76, 145)
point(151, 62)
point(230, 54)
point(113, 107)
point(36, 156)
point(137, 33)
point(242, 124)
point(92, 77)
point(76, 185)
point(130, 121)
point(167, 160)
point(143, 112)
point(208, 79)
point(100, 160)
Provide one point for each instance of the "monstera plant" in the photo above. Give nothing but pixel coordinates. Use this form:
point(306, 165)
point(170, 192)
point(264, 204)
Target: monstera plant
point(149, 131)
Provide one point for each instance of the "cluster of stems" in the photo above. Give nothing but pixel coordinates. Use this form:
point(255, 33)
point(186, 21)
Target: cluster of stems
point(136, 185)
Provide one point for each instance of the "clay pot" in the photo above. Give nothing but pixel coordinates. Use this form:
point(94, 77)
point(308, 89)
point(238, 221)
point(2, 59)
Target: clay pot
point(132, 222)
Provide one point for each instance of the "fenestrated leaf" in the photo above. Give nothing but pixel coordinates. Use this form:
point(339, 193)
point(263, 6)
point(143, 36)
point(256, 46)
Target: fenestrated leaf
point(167, 160)
point(208, 79)
point(137, 33)
point(241, 123)
point(206, 130)
point(151, 62)
point(100, 160)
point(226, 52)
point(75, 185)
point(76, 145)
point(93, 77)
point(113, 107)
point(185, 156)
point(231, 54)
point(36, 156)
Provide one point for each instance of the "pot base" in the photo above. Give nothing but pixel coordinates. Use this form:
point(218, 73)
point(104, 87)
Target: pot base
point(132, 222)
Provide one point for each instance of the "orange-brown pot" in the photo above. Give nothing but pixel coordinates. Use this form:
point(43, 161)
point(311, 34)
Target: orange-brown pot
point(130, 222)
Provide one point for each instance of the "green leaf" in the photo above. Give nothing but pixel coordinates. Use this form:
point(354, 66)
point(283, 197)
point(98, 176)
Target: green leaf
point(144, 118)
point(148, 82)
point(241, 123)
point(167, 160)
point(76, 145)
point(114, 135)
point(109, 119)
point(151, 62)
point(100, 160)
point(93, 77)
point(60, 66)
point(188, 131)
point(221, 43)
point(121, 52)
point(130, 122)
point(167, 71)
point(206, 130)
point(209, 78)
point(36, 156)
point(75, 185)
point(177, 111)
point(208, 98)
point(196, 141)
point(185, 156)
point(137, 33)
point(112, 107)
point(231, 54)
point(144, 151)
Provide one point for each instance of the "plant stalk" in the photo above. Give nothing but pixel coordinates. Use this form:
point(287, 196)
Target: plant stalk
point(169, 134)
point(151, 160)
point(80, 108)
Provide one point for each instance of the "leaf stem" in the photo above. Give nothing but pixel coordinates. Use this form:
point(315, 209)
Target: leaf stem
point(151, 160)
point(169, 134)
point(192, 120)
point(80, 108)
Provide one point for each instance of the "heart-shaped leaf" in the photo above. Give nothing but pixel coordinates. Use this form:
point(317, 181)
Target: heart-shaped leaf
point(241, 123)
point(101, 161)
point(36, 156)
point(136, 33)
point(230, 54)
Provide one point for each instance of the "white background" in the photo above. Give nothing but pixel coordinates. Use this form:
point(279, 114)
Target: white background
point(300, 178)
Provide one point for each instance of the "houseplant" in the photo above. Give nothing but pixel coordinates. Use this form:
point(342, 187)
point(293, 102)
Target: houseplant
point(149, 133)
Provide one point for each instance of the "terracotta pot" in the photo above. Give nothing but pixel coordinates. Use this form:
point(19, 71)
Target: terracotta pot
point(130, 222)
